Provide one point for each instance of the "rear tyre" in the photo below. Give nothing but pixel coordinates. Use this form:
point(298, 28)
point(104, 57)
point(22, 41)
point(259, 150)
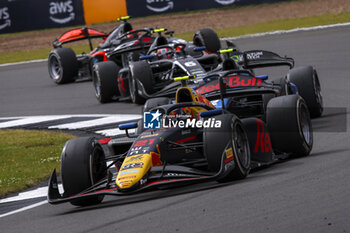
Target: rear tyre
point(82, 165)
point(62, 65)
point(216, 140)
point(105, 81)
point(208, 38)
point(309, 87)
point(140, 71)
point(289, 123)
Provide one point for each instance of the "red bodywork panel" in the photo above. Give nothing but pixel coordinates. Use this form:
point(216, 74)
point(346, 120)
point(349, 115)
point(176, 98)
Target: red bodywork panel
point(79, 34)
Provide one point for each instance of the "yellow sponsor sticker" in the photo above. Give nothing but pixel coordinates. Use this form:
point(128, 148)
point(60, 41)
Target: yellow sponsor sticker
point(229, 153)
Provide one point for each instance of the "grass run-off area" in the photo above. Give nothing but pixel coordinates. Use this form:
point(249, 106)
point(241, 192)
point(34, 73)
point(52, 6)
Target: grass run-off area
point(28, 157)
point(285, 24)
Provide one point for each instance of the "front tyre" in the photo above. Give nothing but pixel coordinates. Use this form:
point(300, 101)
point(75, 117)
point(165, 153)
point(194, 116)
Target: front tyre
point(82, 165)
point(105, 81)
point(62, 65)
point(219, 140)
point(208, 38)
point(289, 123)
point(309, 87)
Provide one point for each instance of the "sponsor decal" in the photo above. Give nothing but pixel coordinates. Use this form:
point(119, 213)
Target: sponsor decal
point(225, 2)
point(149, 136)
point(232, 82)
point(132, 165)
point(254, 56)
point(159, 5)
point(5, 20)
point(61, 12)
point(263, 141)
point(145, 142)
point(129, 172)
point(229, 153)
point(134, 158)
point(126, 177)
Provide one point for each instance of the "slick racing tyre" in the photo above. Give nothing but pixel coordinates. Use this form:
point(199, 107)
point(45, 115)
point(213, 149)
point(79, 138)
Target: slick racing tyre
point(105, 81)
point(208, 38)
point(289, 123)
point(82, 165)
point(216, 141)
point(63, 65)
point(140, 71)
point(308, 84)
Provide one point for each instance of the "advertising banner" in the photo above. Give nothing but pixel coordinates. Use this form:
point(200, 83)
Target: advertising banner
point(24, 15)
point(151, 7)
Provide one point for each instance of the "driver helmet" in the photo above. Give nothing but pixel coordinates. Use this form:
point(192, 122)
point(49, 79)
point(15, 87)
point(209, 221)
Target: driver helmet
point(162, 52)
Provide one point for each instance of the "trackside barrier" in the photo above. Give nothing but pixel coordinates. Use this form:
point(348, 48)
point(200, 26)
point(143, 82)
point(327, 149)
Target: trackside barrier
point(152, 7)
point(25, 15)
point(97, 11)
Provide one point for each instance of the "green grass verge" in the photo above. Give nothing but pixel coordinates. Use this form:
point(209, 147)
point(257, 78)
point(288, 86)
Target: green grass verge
point(28, 157)
point(285, 24)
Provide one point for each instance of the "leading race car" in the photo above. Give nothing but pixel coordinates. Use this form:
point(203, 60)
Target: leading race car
point(65, 66)
point(194, 142)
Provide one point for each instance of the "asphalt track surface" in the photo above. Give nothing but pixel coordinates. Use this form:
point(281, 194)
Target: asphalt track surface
point(302, 195)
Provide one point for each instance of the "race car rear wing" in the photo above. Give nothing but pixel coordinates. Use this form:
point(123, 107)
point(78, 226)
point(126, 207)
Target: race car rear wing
point(78, 34)
point(260, 58)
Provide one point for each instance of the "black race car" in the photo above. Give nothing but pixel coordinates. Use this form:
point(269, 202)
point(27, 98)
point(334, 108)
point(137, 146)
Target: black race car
point(166, 58)
point(192, 142)
point(249, 94)
point(65, 66)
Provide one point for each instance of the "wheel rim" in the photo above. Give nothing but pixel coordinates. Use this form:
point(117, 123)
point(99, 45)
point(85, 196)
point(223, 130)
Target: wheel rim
point(97, 165)
point(305, 124)
point(55, 68)
point(97, 85)
point(132, 88)
point(317, 85)
point(240, 141)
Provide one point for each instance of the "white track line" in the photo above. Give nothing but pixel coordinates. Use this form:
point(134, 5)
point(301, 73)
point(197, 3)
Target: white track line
point(24, 208)
point(23, 62)
point(97, 122)
point(30, 120)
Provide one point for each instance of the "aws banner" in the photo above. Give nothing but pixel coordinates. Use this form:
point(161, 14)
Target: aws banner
point(24, 15)
point(150, 7)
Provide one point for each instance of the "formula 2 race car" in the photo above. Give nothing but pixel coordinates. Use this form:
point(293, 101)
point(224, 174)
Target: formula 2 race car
point(65, 66)
point(196, 142)
point(167, 57)
point(249, 94)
